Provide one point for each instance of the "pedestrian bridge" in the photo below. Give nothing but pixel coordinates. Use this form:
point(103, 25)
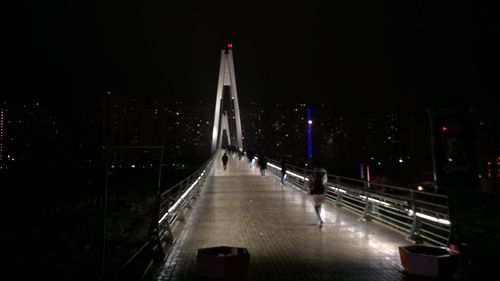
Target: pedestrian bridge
point(277, 224)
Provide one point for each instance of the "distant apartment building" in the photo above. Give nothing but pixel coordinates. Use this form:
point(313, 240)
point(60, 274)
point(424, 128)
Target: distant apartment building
point(183, 129)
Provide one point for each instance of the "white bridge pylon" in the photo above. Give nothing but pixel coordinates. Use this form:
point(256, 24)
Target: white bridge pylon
point(226, 78)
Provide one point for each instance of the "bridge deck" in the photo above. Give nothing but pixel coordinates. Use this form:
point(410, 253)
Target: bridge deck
point(239, 207)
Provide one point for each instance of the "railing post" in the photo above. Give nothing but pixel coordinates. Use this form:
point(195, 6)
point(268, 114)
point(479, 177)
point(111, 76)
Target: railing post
point(197, 188)
point(189, 200)
point(416, 223)
point(339, 198)
point(367, 214)
point(166, 234)
point(190, 197)
point(305, 186)
point(415, 229)
point(195, 193)
point(164, 231)
point(180, 213)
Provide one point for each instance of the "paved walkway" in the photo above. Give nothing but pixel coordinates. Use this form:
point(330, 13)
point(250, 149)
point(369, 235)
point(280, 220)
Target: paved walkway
point(239, 207)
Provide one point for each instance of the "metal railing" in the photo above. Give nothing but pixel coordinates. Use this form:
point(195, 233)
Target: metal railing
point(171, 206)
point(423, 216)
point(176, 200)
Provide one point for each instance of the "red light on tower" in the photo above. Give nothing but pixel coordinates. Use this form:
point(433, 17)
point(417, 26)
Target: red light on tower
point(229, 45)
point(444, 128)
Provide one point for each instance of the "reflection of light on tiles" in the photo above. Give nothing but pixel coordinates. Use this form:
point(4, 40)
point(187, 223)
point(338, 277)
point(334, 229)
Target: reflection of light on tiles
point(388, 249)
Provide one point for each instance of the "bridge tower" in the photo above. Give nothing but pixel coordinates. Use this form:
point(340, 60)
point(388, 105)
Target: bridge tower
point(221, 115)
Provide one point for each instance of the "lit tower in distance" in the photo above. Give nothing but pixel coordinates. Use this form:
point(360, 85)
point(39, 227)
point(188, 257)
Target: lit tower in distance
point(226, 78)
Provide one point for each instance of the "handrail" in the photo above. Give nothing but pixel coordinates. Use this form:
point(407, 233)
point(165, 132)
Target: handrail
point(171, 206)
point(423, 216)
point(176, 199)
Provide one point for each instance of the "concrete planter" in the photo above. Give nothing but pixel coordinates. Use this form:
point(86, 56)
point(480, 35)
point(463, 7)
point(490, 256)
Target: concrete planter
point(428, 261)
point(223, 263)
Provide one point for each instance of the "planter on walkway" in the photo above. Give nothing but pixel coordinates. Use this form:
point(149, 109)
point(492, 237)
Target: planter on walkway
point(223, 263)
point(429, 261)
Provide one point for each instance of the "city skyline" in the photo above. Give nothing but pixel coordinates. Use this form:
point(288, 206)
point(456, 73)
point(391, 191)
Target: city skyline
point(387, 141)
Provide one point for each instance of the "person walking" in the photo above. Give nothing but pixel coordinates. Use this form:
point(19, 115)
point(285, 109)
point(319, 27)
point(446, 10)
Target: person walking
point(262, 164)
point(317, 188)
point(224, 160)
point(250, 156)
point(283, 170)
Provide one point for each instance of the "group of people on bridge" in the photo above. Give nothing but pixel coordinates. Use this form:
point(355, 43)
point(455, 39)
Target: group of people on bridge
point(317, 180)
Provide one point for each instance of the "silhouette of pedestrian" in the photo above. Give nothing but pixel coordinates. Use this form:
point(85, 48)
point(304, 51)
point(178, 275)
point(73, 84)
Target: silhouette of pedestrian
point(283, 170)
point(317, 187)
point(224, 160)
point(250, 156)
point(262, 164)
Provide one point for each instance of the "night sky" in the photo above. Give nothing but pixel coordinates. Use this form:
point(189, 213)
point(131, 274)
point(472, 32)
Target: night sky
point(345, 53)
